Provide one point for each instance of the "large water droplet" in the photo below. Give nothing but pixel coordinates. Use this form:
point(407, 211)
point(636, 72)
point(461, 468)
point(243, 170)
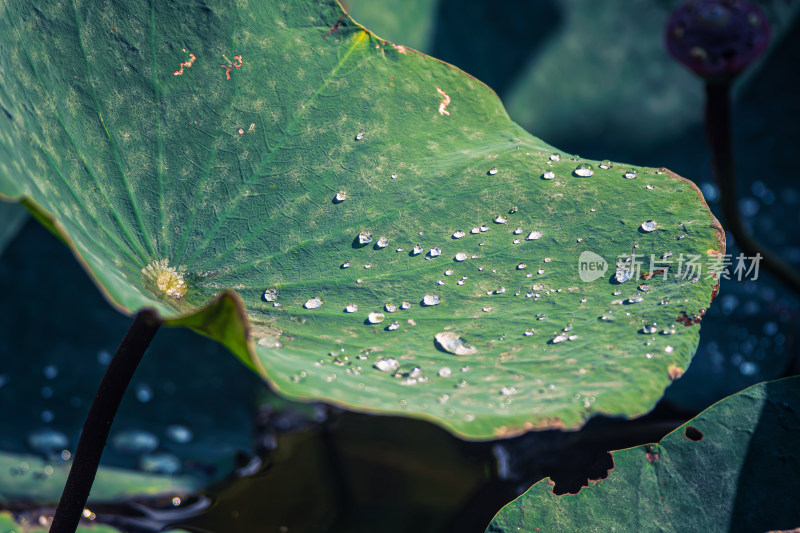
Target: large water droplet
point(460, 256)
point(270, 295)
point(499, 219)
point(445, 372)
point(351, 308)
point(492, 171)
point(360, 136)
point(340, 197)
point(430, 299)
point(584, 170)
point(649, 225)
point(387, 365)
point(549, 175)
point(534, 236)
point(375, 318)
point(312, 303)
point(393, 326)
point(458, 234)
point(269, 342)
point(390, 308)
point(383, 242)
point(434, 252)
point(555, 157)
point(630, 174)
point(405, 305)
point(606, 164)
point(417, 250)
point(453, 343)
point(364, 237)
point(623, 274)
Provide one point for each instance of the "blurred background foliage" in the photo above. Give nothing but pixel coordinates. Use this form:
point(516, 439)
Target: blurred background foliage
point(590, 77)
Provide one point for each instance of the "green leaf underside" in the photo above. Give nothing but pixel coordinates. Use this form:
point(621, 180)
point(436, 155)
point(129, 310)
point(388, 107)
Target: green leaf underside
point(233, 182)
point(741, 475)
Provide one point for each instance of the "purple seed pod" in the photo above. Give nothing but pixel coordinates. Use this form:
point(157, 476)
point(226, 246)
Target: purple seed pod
point(717, 38)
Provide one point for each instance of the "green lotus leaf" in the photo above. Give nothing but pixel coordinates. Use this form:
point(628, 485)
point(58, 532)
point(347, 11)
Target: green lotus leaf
point(734, 467)
point(256, 170)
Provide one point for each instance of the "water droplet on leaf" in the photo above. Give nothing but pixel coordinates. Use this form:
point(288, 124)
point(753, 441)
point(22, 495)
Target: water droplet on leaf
point(364, 237)
point(375, 318)
point(430, 299)
point(453, 343)
point(312, 303)
point(387, 365)
point(649, 225)
point(584, 170)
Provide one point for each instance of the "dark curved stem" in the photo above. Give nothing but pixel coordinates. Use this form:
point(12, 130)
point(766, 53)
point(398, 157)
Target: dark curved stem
point(718, 130)
point(98, 422)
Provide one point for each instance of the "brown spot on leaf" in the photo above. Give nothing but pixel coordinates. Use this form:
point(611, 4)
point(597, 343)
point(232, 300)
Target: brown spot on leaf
point(444, 103)
point(334, 28)
point(657, 272)
point(651, 455)
point(689, 320)
point(675, 372)
point(185, 64)
point(545, 423)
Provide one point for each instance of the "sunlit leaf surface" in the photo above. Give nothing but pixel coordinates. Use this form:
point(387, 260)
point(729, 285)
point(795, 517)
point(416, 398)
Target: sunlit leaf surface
point(359, 201)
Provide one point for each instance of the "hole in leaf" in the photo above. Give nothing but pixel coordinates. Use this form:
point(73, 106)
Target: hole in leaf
point(692, 433)
point(582, 471)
